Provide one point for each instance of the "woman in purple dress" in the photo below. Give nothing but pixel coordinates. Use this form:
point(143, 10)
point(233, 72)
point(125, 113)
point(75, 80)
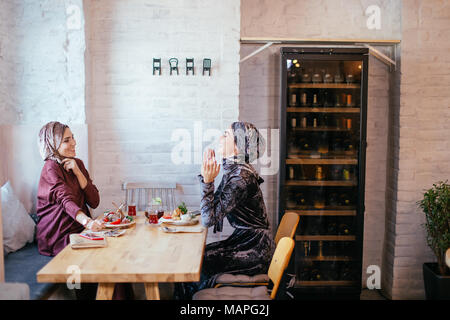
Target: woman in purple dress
point(64, 193)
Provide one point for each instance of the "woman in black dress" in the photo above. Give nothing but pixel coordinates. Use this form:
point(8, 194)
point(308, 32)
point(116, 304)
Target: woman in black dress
point(238, 198)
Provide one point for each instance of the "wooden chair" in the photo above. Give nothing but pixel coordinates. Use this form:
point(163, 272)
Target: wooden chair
point(286, 228)
point(142, 193)
point(277, 266)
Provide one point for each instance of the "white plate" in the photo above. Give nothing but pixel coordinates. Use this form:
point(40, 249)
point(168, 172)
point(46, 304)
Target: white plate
point(179, 222)
point(122, 225)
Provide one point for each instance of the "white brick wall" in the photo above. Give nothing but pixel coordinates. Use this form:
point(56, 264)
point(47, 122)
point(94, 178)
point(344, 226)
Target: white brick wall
point(419, 153)
point(42, 79)
point(42, 63)
point(131, 113)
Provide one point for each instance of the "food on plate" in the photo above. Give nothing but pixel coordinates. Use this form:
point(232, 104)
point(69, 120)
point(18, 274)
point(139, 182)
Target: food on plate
point(176, 214)
point(179, 212)
point(115, 218)
point(183, 208)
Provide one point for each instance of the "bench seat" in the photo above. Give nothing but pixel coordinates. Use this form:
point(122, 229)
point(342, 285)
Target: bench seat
point(22, 265)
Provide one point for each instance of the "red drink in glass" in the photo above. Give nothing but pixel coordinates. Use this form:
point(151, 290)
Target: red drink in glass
point(132, 210)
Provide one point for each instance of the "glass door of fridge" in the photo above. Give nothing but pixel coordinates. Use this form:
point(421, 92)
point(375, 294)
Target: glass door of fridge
point(323, 114)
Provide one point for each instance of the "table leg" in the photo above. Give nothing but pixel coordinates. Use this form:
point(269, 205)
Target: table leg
point(105, 291)
point(152, 291)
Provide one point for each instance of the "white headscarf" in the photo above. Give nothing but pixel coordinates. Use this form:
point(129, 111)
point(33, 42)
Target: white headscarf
point(50, 138)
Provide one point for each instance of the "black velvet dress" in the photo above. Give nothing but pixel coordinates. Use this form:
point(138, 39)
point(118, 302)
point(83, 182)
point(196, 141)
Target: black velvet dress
point(249, 249)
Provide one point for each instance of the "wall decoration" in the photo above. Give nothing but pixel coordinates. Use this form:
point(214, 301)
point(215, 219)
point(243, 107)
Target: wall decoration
point(173, 63)
point(156, 65)
point(206, 66)
point(190, 65)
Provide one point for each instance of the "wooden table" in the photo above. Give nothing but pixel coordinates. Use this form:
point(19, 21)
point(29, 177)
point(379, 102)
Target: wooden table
point(144, 254)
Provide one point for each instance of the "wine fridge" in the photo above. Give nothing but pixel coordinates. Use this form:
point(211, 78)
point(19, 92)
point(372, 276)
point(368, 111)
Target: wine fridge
point(322, 166)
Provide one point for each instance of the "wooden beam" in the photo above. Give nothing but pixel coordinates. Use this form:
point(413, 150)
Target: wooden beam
point(316, 41)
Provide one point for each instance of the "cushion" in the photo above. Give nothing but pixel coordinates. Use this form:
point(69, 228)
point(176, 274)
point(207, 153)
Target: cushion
point(22, 266)
point(233, 293)
point(14, 291)
point(18, 226)
point(241, 278)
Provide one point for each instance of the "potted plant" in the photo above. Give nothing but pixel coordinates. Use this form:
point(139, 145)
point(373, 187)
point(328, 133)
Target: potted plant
point(436, 206)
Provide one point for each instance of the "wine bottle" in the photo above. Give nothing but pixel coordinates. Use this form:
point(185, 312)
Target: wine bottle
point(292, 75)
point(323, 147)
point(315, 274)
point(337, 103)
point(344, 199)
point(326, 100)
point(344, 229)
point(293, 99)
point(304, 144)
point(315, 102)
point(335, 172)
point(306, 76)
point(306, 247)
point(304, 122)
point(304, 100)
point(347, 273)
point(304, 273)
point(301, 199)
point(291, 173)
point(332, 271)
point(332, 228)
point(293, 122)
point(333, 199)
point(327, 78)
point(319, 199)
point(317, 77)
point(349, 100)
point(319, 173)
point(346, 173)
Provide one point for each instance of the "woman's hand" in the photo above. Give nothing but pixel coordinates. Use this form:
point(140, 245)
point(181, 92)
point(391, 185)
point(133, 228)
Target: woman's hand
point(95, 225)
point(210, 168)
point(71, 164)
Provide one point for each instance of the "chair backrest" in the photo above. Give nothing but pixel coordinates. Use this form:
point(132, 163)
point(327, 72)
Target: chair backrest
point(279, 262)
point(287, 226)
point(142, 193)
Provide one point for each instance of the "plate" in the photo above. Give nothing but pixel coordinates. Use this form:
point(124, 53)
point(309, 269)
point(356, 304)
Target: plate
point(122, 225)
point(179, 222)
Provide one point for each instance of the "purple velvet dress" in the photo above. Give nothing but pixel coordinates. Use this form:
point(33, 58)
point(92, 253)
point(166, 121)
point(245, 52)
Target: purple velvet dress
point(59, 198)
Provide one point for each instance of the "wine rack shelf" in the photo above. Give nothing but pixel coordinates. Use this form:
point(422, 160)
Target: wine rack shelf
point(316, 155)
point(331, 129)
point(350, 161)
point(323, 110)
point(323, 212)
point(325, 86)
point(328, 258)
point(321, 183)
point(324, 283)
point(324, 238)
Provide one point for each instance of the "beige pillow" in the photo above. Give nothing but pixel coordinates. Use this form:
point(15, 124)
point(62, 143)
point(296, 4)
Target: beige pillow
point(18, 226)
